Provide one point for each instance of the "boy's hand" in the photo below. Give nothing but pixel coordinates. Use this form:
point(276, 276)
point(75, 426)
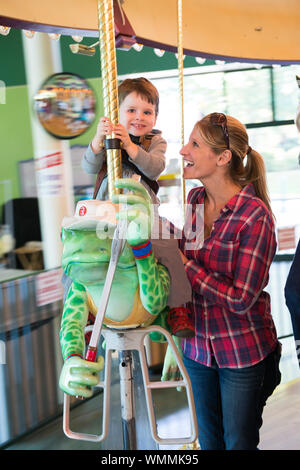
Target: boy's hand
point(105, 127)
point(122, 134)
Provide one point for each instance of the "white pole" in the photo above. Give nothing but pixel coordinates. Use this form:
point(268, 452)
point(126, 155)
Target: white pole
point(54, 181)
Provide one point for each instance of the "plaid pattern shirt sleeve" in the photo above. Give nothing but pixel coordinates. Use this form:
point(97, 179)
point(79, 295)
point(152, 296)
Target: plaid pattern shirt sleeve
point(228, 273)
point(255, 253)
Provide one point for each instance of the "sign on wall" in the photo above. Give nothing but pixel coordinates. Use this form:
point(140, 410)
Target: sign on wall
point(48, 287)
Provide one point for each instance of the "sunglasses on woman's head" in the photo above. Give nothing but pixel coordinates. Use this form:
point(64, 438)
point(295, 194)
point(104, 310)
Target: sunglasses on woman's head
point(219, 119)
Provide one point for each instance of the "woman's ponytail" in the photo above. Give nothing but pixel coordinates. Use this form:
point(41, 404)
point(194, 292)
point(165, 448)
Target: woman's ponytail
point(255, 173)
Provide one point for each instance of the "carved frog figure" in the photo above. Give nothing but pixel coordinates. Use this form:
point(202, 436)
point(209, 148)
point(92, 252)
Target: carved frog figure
point(140, 287)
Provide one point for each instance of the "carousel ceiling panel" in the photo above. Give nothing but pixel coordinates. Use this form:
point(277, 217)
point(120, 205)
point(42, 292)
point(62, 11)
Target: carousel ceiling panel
point(263, 30)
point(57, 16)
point(258, 29)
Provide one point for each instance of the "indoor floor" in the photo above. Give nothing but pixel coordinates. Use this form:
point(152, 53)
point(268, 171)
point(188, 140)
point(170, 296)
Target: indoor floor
point(280, 430)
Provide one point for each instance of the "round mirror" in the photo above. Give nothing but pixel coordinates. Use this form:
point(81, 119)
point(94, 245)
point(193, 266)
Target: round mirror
point(65, 105)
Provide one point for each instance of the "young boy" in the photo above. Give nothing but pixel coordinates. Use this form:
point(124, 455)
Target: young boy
point(143, 147)
point(143, 153)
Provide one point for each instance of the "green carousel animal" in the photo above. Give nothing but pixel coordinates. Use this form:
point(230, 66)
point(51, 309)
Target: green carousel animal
point(140, 287)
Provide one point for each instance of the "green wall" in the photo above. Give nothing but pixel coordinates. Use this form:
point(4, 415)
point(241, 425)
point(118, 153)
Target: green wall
point(15, 136)
point(12, 68)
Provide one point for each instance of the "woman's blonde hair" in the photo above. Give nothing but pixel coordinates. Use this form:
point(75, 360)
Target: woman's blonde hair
point(253, 171)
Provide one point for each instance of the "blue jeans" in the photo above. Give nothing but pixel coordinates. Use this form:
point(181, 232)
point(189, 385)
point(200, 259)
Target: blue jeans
point(229, 402)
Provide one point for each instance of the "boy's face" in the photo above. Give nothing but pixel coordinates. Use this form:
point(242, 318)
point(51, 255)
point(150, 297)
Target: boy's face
point(137, 115)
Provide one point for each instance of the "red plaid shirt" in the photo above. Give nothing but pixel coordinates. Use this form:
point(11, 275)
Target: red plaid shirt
point(228, 274)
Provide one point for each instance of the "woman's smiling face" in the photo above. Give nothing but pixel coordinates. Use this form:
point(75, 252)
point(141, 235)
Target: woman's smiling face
point(200, 161)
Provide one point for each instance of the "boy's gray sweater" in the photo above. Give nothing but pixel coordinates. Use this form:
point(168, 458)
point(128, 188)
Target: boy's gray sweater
point(151, 163)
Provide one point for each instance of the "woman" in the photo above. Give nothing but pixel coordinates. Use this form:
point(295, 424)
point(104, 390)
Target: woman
point(233, 359)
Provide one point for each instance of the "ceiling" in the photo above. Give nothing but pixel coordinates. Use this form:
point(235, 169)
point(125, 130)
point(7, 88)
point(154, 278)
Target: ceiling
point(257, 30)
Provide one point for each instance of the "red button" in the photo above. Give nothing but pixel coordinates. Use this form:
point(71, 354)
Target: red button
point(82, 210)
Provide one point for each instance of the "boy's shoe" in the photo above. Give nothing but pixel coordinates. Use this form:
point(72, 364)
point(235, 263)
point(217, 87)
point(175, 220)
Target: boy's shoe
point(180, 322)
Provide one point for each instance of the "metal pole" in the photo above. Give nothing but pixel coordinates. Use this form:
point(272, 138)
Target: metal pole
point(180, 86)
point(110, 89)
point(127, 400)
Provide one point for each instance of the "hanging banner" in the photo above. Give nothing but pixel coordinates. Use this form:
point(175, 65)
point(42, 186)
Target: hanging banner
point(49, 174)
point(48, 287)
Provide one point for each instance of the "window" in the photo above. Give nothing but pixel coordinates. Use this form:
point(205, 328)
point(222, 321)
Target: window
point(248, 95)
point(285, 92)
point(265, 99)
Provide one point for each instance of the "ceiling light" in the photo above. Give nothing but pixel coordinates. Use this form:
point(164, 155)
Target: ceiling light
point(29, 34)
point(159, 52)
point(83, 49)
point(54, 36)
point(4, 30)
point(200, 60)
point(137, 47)
point(77, 38)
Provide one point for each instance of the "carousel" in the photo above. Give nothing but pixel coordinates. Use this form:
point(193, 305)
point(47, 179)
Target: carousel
point(187, 28)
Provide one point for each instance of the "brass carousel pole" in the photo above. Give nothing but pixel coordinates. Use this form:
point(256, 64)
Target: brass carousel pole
point(114, 170)
point(110, 89)
point(180, 77)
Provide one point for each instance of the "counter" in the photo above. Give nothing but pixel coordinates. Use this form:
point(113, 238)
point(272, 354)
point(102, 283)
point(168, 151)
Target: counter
point(10, 274)
point(30, 304)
